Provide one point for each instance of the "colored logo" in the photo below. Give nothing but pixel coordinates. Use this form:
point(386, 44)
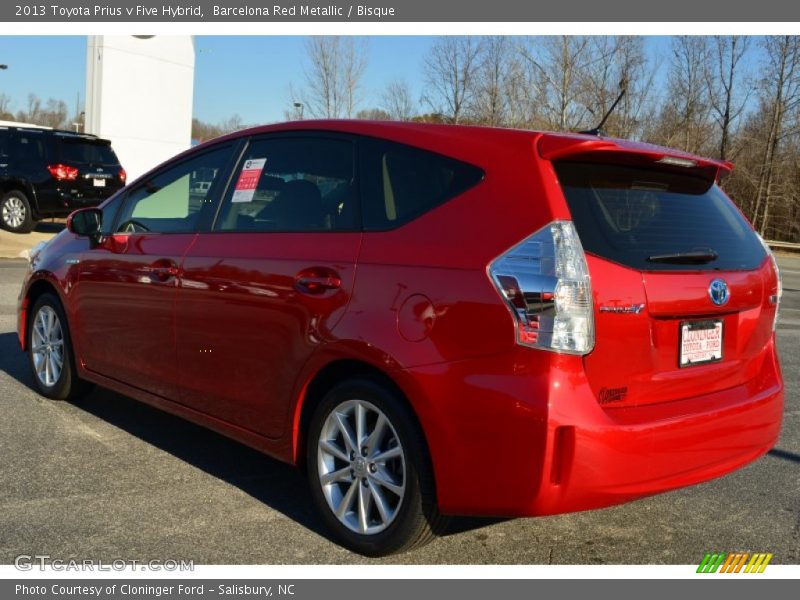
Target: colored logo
point(718, 291)
point(735, 562)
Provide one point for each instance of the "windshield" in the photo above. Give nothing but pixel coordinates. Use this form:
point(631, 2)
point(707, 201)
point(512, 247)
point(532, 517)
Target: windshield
point(655, 220)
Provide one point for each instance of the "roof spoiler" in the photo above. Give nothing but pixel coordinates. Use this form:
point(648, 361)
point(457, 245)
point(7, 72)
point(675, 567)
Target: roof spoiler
point(575, 147)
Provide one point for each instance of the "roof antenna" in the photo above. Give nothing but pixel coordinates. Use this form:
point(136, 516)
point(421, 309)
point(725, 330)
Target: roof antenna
point(598, 131)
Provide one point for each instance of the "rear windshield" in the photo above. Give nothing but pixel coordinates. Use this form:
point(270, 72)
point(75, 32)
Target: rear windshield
point(655, 220)
point(87, 152)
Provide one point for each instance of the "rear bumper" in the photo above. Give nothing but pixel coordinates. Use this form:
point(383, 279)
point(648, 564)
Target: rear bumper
point(522, 442)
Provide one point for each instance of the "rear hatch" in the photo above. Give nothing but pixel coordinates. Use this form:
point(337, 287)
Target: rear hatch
point(683, 288)
point(99, 171)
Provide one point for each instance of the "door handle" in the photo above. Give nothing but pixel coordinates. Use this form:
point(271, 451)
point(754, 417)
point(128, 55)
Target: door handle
point(317, 280)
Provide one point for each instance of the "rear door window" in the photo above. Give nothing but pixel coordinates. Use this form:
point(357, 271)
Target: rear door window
point(654, 220)
point(29, 148)
point(292, 184)
point(399, 183)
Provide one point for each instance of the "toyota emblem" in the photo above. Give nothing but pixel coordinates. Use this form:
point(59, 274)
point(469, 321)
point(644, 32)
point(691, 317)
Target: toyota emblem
point(718, 292)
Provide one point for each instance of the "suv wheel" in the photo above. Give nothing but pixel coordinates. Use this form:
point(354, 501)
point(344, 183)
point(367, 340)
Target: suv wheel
point(15, 212)
point(369, 470)
point(50, 351)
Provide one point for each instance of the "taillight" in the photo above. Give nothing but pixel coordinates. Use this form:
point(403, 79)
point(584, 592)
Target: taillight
point(774, 299)
point(123, 176)
point(545, 281)
point(63, 172)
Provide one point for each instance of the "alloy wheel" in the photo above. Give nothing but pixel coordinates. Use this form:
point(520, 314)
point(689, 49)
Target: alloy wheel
point(47, 346)
point(361, 466)
point(13, 212)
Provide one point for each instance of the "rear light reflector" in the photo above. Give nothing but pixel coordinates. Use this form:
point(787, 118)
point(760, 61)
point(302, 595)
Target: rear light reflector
point(545, 282)
point(63, 172)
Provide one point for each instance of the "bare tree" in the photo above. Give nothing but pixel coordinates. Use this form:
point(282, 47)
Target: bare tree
point(639, 74)
point(522, 91)
point(686, 113)
point(231, 124)
point(353, 65)
point(559, 62)
point(728, 91)
point(54, 114)
point(601, 79)
point(333, 77)
point(5, 104)
point(204, 131)
point(490, 104)
point(450, 71)
point(397, 101)
point(33, 110)
point(616, 64)
point(779, 96)
point(374, 114)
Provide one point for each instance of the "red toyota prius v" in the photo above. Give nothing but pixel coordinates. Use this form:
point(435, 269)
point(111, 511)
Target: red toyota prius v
point(431, 320)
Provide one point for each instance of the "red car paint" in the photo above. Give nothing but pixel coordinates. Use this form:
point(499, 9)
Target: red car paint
point(211, 326)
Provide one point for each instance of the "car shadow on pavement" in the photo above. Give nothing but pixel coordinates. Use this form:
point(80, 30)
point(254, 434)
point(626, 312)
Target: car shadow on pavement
point(276, 484)
point(12, 360)
point(784, 454)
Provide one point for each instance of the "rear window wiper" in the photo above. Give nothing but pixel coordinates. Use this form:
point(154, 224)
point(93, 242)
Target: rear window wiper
point(692, 257)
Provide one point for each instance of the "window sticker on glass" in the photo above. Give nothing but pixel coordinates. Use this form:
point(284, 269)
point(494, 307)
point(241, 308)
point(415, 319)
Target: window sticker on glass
point(248, 180)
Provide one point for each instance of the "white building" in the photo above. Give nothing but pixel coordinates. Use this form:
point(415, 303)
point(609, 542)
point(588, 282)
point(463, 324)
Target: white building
point(139, 95)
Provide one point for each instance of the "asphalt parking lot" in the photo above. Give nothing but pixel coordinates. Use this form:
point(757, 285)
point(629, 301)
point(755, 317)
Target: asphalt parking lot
point(108, 478)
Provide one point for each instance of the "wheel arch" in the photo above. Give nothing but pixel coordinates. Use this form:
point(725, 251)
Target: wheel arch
point(18, 185)
point(325, 378)
point(39, 286)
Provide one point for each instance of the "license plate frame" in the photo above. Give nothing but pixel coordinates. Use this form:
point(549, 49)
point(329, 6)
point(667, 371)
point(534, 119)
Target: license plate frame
point(696, 347)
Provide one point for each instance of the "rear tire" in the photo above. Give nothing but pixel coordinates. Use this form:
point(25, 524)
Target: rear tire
point(50, 351)
point(15, 212)
point(372, 483)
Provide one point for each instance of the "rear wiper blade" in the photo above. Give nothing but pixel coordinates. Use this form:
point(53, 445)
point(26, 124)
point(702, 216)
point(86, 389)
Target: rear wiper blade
point(692, 257)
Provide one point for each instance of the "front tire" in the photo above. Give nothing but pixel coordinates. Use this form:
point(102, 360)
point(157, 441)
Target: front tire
point(369, 470)
point(50, 351)
point(15, 212)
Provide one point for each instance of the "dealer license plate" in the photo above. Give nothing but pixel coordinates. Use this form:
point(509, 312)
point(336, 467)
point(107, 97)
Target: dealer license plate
point(701, 342)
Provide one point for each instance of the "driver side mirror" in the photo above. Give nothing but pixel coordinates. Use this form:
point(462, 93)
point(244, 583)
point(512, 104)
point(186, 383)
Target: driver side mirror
point(86, 222)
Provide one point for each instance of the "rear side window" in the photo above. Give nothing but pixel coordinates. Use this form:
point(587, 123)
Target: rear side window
point(400, 183)
point(656, 220)
point(29, 148)
point(87, 152)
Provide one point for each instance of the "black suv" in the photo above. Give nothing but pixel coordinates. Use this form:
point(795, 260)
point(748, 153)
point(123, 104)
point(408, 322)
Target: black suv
point(49, 173)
